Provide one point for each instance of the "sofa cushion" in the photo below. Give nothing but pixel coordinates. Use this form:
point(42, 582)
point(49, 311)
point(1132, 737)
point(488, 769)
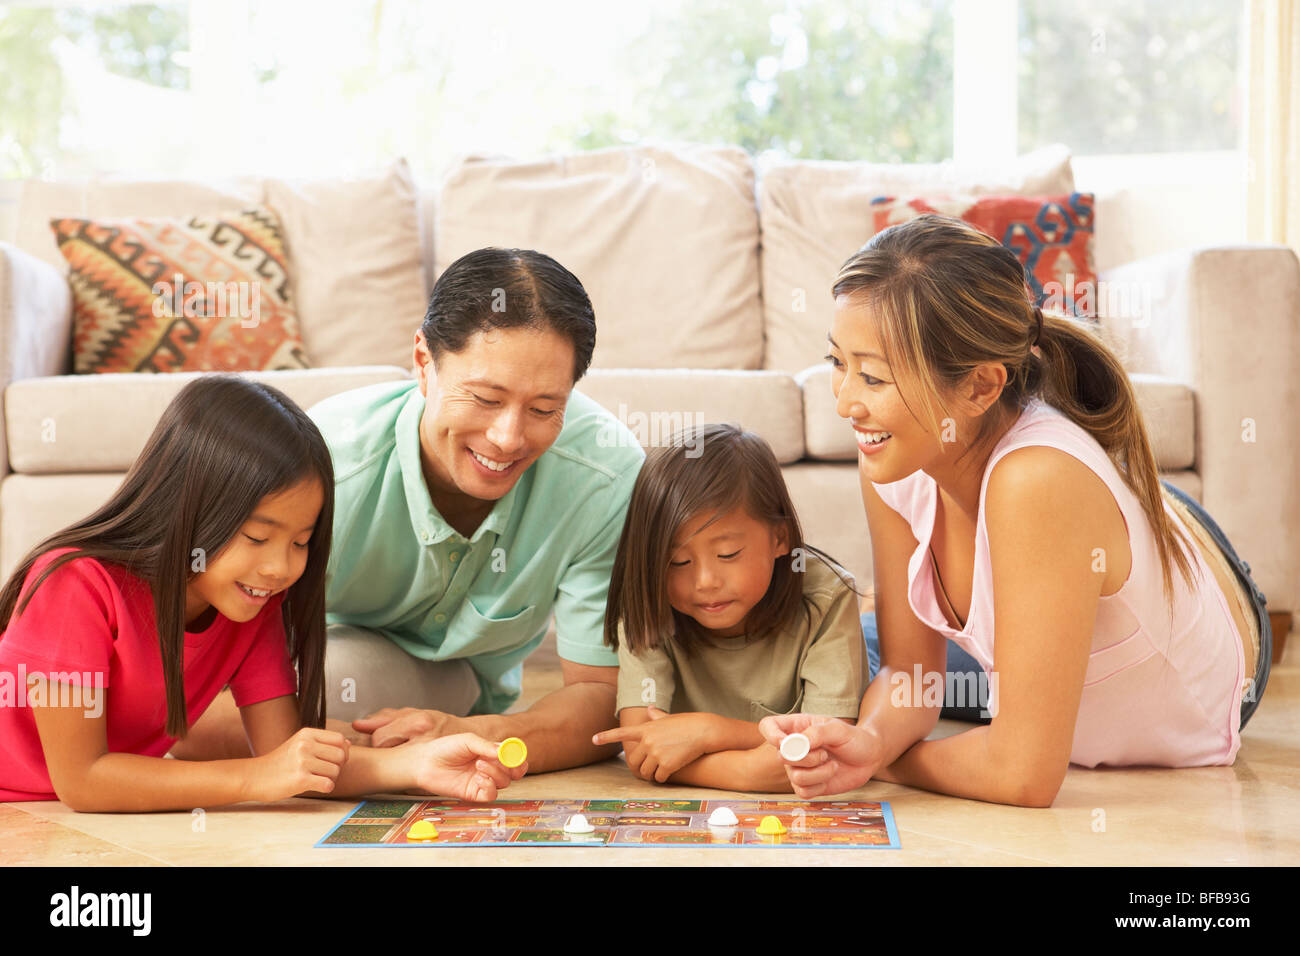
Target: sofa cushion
point(91, 423)
point(665, 241)
point(817, 213)
point(188, 294)
point(355, 257)
point(1168, 408)
point(42, 201)
point(654, 403)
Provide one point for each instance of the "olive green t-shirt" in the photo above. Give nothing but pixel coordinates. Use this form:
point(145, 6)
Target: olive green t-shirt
point(816, 666)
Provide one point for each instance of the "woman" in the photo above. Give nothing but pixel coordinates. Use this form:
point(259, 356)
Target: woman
point(1005, 467)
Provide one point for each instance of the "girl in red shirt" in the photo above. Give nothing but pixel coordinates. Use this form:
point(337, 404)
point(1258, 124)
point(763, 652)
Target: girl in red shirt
point(205, 569)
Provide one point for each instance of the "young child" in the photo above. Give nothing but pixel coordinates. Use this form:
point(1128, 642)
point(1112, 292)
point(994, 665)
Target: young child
point(206, 568)
point(722, 615)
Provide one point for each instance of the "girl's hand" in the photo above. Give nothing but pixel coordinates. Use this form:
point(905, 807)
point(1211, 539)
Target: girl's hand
point(310, 760)
point(664, 744)
point(462, 765)
point(841, 757)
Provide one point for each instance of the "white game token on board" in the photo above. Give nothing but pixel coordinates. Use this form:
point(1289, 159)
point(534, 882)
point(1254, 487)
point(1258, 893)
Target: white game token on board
point(795, 747)
point(723, 817)
point(578, 824)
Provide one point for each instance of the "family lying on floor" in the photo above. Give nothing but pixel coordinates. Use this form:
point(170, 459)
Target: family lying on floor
point(340, 601)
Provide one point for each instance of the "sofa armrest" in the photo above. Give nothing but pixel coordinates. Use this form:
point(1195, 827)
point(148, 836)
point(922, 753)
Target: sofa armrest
point(35, 325)
point(1226, 321)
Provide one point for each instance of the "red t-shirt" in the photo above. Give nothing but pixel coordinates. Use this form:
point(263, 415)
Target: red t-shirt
point(91, 624)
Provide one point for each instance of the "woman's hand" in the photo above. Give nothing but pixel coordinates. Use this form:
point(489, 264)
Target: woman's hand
point(309, 761)
point(841, 756)
point(462, 765)
point(664, 744)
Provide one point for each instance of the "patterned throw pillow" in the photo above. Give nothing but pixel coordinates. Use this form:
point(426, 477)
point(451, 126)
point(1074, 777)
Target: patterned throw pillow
point(202, 294)
point(1053, 238)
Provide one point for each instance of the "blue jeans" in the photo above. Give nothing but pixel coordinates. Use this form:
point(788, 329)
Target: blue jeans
point(966, 669)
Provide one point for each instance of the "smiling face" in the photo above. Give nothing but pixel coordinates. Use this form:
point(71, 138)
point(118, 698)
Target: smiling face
point(867, 394)
point(492, 409)
point(267, 554)
point(716, 574)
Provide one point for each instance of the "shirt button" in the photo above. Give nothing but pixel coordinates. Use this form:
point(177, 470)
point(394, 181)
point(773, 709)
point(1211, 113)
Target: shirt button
point(440, 618)
point(426, 537)
point(454, 555)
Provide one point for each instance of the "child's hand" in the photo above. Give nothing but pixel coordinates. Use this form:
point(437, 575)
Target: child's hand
point(841, 756)
point(310, 760)
point(664, 744)
point(462, 765)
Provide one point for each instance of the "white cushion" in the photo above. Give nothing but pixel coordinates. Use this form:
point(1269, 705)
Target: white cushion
point(654, 403)
point(815, 214)
point(355, 262)
point(99, 423)
point(664, 240)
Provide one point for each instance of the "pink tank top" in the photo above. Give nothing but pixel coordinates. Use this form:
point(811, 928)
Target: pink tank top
point(1154, 694)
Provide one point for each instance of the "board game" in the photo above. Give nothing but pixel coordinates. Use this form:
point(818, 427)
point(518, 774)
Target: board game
point(836, 824)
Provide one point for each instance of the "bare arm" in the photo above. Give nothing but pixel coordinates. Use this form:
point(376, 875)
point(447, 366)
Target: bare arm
point(463, 766)
point(88, 778)
point(1044, 523)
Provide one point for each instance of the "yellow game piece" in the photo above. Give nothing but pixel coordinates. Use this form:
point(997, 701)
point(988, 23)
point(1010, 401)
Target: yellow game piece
point(512, 752)
point(421, 830)
point(770, 826)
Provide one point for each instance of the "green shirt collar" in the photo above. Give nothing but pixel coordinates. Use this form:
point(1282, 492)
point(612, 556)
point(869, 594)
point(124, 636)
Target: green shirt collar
point(429, 526)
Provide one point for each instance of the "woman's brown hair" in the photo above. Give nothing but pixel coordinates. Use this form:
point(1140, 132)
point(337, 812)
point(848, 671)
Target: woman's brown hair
point(950, 298)
point(709, 469)
point(222, 445)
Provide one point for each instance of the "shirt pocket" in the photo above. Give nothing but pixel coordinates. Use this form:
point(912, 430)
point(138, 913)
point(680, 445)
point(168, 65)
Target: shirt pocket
point(1120, 656)
point(473, 633)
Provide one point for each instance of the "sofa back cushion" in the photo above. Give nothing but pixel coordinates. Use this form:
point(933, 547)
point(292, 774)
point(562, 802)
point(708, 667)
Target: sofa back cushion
point(664, 239)
point(355, 253)
point(815, 214)
point(353, 247)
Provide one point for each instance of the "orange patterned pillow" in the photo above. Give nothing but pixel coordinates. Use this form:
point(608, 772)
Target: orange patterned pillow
point(203, 294)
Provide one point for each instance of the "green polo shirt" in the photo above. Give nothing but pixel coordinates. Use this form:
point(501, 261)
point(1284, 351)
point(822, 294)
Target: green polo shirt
point(396, 567)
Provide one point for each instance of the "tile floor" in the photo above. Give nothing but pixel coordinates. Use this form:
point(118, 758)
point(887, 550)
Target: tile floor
point(1247, 814)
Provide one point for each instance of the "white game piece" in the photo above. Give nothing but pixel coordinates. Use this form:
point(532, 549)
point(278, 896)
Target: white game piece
point(723, 817)
point(578, 824)
point(795, 747)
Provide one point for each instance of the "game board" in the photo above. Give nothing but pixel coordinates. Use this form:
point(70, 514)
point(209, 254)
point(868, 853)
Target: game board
point(837, 824)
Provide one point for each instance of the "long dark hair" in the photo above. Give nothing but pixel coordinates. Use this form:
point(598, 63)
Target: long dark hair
point(949, 298)
point(701, 470)
point(222, 445)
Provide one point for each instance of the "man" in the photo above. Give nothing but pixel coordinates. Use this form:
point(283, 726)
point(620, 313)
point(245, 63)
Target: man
point(470, 504)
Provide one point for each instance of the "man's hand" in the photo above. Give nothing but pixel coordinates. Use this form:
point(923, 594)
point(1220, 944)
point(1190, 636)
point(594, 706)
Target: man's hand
point(664, 744)
point(393, 726)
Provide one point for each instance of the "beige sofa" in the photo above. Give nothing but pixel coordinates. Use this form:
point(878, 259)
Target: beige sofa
point(710, 280)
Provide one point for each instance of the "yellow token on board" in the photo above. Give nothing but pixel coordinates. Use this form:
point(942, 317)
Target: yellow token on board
point(421, 830)
point(770, 826)
point(512, 752)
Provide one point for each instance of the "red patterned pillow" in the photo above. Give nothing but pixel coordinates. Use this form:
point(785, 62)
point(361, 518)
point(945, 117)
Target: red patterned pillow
point(1053, 237)
point(202, 294)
